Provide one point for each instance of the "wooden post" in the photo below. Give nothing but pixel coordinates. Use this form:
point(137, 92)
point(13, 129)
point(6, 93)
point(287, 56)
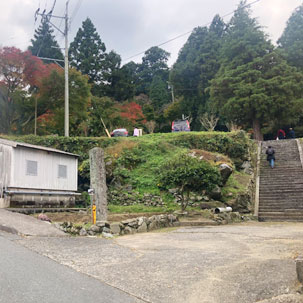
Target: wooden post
point(98, 182)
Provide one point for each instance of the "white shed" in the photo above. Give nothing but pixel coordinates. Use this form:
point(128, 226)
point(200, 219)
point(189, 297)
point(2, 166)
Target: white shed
point(35, 175)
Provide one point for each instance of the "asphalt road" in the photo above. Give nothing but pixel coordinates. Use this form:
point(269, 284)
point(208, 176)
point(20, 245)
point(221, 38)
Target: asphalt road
point(27, 277)
point(241, 263)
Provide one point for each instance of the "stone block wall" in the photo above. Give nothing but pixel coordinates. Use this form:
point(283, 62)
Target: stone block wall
point(130, 226)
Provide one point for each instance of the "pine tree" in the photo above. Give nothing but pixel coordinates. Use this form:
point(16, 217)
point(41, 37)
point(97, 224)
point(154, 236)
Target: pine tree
point(44, 43)
point(291, 41)
point(87, 53)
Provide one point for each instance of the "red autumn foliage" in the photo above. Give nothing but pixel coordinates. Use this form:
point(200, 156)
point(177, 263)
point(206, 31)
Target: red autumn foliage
point(132, 112)
point(21, 69)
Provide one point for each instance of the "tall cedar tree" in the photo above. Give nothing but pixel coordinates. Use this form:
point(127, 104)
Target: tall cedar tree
point(87, 54)
point(44, 43)
point(244, 40)
point(154, 63)
point(264, 91)
point(158, 93)
point(243, 43)
point(123, 82)
point(197, 64)
point(291, 41)
point(112, 76)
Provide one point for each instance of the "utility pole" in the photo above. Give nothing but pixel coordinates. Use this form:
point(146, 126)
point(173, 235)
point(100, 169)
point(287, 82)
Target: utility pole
point(66, 95)
point(172, 93)
point(171, 87)
point(66, 65)
point(35, 132)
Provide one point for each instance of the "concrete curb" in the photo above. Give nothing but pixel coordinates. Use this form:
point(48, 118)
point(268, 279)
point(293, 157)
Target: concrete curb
point(10, 230)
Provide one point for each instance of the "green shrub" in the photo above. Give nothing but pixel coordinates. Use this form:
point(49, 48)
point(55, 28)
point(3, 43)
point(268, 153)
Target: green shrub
point(136, 161)
point(188, 174)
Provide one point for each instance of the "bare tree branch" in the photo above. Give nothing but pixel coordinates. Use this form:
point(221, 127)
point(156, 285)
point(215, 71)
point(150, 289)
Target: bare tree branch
point(209, 121)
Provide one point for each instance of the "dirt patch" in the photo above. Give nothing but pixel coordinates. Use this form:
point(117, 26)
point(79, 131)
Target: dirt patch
point(213, 158)
point(242, 179)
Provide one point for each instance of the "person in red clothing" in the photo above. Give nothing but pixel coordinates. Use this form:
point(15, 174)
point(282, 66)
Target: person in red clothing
point(281, 134)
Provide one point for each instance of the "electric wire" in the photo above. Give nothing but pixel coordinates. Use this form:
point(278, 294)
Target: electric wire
point(189, 32)
point(47, 19)
point(76, 9)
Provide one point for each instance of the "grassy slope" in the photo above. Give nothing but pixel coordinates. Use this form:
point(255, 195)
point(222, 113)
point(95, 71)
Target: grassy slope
point(155, 150)
point(149, 152)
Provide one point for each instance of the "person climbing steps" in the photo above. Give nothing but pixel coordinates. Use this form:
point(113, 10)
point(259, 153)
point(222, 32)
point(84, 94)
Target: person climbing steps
point(270, 152)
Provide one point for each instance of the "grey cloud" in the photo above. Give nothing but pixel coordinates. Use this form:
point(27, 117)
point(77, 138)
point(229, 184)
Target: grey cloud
point(132, 26)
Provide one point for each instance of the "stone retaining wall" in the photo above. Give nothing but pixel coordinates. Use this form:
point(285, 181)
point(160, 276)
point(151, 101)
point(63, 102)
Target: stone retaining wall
point(130, 226)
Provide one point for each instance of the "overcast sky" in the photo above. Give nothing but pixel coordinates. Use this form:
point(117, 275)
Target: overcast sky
point(132, 26)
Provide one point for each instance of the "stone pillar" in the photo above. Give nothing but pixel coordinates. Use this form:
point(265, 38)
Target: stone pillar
point(98, 182)
point(299, 268)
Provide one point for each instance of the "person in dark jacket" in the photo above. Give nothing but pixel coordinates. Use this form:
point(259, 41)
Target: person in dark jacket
point(270, 152)
point(291, 134)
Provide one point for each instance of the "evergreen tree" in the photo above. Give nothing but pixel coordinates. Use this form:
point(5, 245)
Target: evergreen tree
point(44, 43)
point(244, 40)
point(123, 83)
point(266, 90)
point(87, 54)
point(111, 76)
point(197, 64)
point(291, 41)
point(154, 63)
point(158, 93)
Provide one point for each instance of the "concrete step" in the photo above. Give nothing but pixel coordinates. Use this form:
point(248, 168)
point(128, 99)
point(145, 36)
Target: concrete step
point(280, 215)
point(282, 210)
point(281, 188)
point(283, 192)
point(282, 185)
point(274, 206)
point(280, 168)
point(280, 202)
point(280, 177)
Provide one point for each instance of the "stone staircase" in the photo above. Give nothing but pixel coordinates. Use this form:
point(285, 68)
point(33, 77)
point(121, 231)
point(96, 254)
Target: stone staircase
point(281, 188)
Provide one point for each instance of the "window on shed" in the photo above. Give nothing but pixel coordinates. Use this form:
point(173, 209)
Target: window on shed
point(62, 171)
point(31, 168)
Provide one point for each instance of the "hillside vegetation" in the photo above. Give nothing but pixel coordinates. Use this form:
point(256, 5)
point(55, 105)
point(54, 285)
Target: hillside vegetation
point(134, 164)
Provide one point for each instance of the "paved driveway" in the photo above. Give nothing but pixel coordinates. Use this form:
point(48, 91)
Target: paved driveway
point(249, 262)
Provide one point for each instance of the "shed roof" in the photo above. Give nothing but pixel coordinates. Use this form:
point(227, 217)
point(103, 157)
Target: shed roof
point(16, 144)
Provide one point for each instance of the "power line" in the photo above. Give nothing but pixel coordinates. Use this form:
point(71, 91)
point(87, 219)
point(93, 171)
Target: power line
point(189, 32)
point(76, 9)
point(65, 33)
point(47, 19)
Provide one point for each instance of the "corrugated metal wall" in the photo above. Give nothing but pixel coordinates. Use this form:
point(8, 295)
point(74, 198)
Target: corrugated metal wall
point(47, 164)
point(5, 166)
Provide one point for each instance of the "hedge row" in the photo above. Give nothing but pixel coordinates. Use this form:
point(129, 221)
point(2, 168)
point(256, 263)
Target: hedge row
point(234, 144)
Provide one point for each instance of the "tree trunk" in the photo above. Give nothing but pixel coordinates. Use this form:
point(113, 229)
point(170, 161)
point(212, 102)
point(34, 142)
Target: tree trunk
point(257, 130)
